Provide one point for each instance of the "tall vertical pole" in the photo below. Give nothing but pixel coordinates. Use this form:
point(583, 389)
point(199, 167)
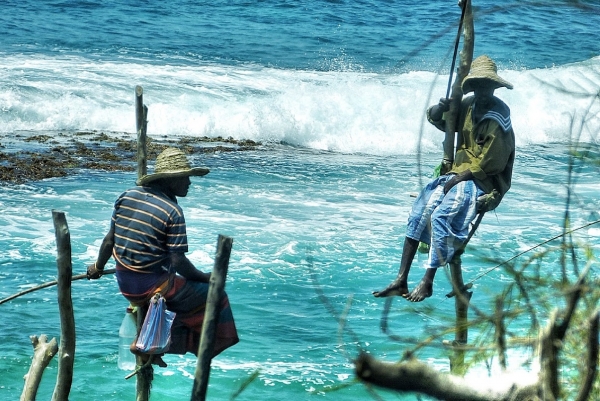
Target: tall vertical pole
point(66, 353)
point(211, 317)
point(146, 374)
point(462, 297)
point(141, 114)
point(466, 56)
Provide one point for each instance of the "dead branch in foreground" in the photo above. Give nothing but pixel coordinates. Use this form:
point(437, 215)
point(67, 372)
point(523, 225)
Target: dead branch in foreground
point(43, 352)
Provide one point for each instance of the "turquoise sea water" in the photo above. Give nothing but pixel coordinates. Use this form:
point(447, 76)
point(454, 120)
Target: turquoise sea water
point(336, 93)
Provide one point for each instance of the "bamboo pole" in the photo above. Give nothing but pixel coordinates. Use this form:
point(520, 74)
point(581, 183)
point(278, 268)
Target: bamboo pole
point(211, 317)
point(66, 355)
point(141, 114)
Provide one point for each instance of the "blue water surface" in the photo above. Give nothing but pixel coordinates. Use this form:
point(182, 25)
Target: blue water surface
point(335, 91)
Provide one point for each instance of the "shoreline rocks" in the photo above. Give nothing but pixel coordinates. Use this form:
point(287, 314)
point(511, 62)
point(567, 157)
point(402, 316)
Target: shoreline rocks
point(31, 156)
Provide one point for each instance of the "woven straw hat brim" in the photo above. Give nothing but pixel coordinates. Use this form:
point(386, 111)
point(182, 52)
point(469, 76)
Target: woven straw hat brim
point(483, 67)
point(195, 172)
point(500, 83)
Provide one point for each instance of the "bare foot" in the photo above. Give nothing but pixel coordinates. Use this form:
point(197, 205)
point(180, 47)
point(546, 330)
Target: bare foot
point(423, 290)
point(396, 288)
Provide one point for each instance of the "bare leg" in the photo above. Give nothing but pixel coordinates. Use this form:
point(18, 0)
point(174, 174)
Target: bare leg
point(424, 289)
point(399, 287)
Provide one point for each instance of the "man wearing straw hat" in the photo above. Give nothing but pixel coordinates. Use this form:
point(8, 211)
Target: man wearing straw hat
point(147, 238)
point(479, 178)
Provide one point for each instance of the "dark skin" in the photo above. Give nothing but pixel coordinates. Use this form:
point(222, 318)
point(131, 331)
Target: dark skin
point(484, 92)
point(178, 186)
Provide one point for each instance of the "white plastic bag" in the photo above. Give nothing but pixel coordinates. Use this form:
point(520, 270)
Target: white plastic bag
point(155, 334)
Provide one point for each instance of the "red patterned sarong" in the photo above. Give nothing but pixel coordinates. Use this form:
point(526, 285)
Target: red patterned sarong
point(188, 300)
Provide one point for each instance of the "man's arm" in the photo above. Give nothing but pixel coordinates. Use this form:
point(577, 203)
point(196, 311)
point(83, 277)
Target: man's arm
point(435, 113)
point(184, 267)
point(95, 270)
point(466, 175)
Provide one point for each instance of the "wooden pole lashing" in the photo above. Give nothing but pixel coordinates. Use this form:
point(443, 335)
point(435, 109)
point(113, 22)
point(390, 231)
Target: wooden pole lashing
point(211, 317)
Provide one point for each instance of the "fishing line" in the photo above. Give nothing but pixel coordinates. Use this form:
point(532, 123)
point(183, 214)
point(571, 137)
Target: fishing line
point(531, 249)
point(388, 302)
point(325, 301)
point(485, 273)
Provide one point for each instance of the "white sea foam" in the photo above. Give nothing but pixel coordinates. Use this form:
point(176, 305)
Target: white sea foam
point(338, 111)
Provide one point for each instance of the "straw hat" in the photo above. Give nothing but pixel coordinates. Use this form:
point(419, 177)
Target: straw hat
point(483, 67)
point(172, 163)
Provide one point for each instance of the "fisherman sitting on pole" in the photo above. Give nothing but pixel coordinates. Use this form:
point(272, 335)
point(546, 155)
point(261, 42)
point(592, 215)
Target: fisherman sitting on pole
point(148, 241)
point(479, 178)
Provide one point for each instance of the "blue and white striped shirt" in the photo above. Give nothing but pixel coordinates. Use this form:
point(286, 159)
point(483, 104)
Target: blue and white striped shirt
point(148, 225)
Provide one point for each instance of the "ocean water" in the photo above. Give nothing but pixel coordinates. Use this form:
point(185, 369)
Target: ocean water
point(336, 92)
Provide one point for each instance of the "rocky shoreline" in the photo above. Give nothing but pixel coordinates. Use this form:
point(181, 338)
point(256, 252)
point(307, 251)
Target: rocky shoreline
point(31, 156)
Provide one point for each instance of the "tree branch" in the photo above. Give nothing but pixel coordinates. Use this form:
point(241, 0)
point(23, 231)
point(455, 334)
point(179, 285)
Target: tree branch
point(415, 376)
point(592, 359)
point(42, 355)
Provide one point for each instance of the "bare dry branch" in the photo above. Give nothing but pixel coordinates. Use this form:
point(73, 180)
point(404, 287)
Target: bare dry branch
point(43, 353)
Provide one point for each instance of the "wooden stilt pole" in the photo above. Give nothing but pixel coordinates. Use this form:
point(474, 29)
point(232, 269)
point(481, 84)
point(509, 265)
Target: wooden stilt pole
point(211, 317)
point(461, 304)
point(466, 56)
point(146, 374)
point(66, 353)
point(141, 114)
point(462, 296)
point(461, 307)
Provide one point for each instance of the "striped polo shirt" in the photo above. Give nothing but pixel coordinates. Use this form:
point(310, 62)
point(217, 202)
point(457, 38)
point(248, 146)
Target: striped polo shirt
point(148, 225)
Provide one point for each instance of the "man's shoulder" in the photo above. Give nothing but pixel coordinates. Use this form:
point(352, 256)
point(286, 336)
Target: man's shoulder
point(134, 192)
point(148, 194)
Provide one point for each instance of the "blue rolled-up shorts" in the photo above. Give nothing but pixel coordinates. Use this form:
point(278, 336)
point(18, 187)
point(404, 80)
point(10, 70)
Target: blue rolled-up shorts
point(442, 221)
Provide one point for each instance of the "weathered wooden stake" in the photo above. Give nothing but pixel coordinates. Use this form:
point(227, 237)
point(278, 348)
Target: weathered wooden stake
point(462, 297)
point(66, 354)
point(141, 114)
point(146, 374)
point(43, 353)
point(466, 56)
point(211, 317)
point(461, 307)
